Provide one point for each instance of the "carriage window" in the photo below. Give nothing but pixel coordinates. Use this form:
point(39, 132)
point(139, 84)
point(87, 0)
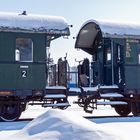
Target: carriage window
point(139, 54)
point(24, 50)
point(139, 58)
point(108, 54)
point(131, 52)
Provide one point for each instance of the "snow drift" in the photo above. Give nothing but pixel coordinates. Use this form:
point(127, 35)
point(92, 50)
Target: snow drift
point(62, 125)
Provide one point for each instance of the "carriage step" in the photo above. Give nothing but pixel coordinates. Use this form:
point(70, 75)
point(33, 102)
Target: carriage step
point(112, 103)
point(55, 88)
point(54, 96)
point(109, 87)
point(56, 105)
point(111, 95)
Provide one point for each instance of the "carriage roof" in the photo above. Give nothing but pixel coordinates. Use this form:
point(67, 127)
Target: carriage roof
point(14, 22)
point(114, 29)
point(92, 31)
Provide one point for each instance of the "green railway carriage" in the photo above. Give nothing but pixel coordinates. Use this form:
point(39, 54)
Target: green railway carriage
point(23, 69)
point(115, 49)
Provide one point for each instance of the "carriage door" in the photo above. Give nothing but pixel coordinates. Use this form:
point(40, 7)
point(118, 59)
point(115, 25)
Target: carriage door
point(108, 63)
point(118, 62)
point(113, 63)
point(24, 57)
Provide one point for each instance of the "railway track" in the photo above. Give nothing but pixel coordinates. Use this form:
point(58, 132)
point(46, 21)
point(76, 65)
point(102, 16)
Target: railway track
point(25, 119)
point(20, 120)
point(101, 117)
point(86, 117)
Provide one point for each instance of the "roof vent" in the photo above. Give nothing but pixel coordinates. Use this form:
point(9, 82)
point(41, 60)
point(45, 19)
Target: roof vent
point(23, 13)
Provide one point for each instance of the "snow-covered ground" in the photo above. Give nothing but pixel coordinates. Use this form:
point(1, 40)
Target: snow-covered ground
point(54, 124)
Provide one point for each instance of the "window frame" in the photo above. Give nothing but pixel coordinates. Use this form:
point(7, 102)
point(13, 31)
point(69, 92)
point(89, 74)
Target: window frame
point(17, 51)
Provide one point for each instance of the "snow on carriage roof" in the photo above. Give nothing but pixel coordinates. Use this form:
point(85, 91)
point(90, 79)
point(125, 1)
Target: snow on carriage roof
point(109, 28)
point(15, 22)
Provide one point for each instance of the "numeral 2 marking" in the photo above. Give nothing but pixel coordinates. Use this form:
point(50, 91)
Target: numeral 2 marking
point(24, 73)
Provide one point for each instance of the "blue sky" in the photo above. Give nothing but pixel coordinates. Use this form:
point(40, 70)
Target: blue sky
point(76, 12)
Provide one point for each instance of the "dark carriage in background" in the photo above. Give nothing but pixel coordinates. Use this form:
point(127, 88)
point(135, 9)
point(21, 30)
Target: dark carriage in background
point(115, 50)
point(24, 40)
point(58, 73)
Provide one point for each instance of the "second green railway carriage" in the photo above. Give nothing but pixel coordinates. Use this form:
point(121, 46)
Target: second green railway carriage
point(115, 50)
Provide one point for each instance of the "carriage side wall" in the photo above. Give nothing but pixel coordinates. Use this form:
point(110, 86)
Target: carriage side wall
point(16, 75)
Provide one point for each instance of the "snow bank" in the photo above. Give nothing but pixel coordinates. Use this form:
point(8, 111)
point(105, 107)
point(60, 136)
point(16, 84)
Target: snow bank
point(62, 125)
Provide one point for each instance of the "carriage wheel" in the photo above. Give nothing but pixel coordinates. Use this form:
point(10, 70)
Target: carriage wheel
point(10, 112)
point(123, 110)
point(135, 108)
